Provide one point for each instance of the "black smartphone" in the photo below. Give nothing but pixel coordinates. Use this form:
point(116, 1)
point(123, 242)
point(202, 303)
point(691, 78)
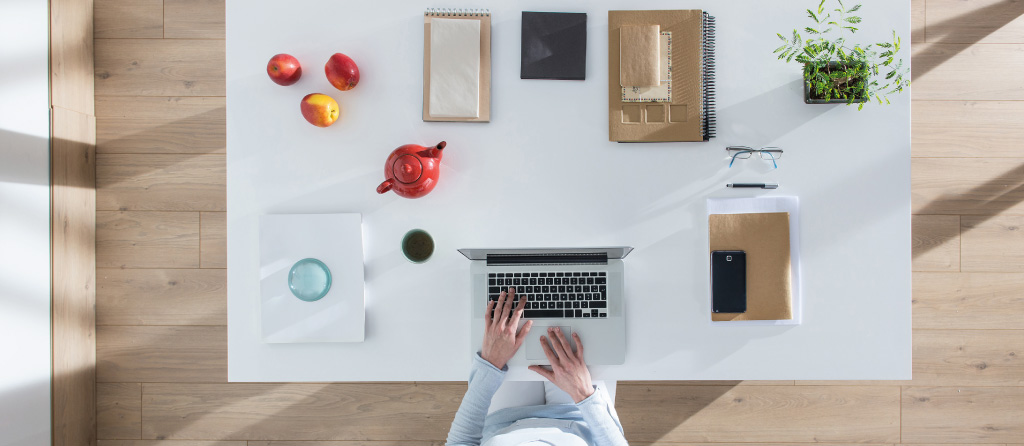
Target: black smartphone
point(728, 281)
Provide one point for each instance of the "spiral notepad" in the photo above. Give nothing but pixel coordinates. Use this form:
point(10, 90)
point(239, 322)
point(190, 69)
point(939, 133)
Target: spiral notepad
point(456, 65)
point(681, 105)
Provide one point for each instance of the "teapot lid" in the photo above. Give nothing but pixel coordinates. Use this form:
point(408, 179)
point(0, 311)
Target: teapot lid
point(407, 169)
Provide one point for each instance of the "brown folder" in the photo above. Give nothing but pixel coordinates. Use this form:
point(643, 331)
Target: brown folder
point(485, 61)
point(765, 239)
point(688, 115)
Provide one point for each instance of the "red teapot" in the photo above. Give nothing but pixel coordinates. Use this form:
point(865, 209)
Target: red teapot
point(412, 170)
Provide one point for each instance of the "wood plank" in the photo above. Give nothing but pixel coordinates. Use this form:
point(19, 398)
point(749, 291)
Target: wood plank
point(992, 243)
point(964, 72)
point(968, 300)
point(159, 67)
point(936, 242)
point(161, 297)
point(917, 21)
point(975, 21)
point(120, 19)
point(963, 414)
point(988, 129)
point(119, 410)
point(128, 124)
point(71, 55)
point(759, 413)
point(213, 240)
point(170, 443)
point(194, 19)
point(147, 239)
point(967, 186)
point(164, 182)
point(968, 357)
point(161, 354)
point(73, 276)
point(399, 411)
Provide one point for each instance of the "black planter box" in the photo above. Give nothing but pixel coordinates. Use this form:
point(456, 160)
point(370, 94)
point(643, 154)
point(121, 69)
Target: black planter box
point(809, 100)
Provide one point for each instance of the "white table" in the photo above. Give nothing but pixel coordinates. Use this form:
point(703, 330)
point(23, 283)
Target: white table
point(851, 171)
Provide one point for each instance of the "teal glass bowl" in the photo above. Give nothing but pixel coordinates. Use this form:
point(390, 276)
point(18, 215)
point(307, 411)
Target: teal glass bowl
point(309, 280)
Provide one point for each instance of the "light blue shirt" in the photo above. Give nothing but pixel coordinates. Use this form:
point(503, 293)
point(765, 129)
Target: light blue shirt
point(592, 421)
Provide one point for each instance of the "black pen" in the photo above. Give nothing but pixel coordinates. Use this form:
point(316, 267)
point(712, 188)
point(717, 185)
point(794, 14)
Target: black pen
point(757, 185)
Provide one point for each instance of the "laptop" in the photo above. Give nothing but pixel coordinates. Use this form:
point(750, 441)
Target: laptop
point(578, 289)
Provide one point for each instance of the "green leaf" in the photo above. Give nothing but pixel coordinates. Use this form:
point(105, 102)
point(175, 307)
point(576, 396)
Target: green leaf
point(852, 29)
point(813, 16)
point(852, 19)
point(884, 45)
point(860, 106)
point(821, 7)
point(783, 38)
point(779, 49)
point(853, 9)
point(811, 30)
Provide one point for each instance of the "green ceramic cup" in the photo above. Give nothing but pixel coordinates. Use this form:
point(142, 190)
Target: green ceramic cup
point(417, 246)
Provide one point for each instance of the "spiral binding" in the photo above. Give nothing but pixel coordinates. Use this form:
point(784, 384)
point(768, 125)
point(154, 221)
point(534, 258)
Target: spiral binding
point(708, 114)
point(456, 12)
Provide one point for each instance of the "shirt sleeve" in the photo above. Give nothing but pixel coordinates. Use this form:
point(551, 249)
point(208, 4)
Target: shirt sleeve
point(599, 414)
point(484, 381)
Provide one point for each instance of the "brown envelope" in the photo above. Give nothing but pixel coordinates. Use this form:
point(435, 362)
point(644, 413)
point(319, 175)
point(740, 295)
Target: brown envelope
point(639, 60)
point(765, 239)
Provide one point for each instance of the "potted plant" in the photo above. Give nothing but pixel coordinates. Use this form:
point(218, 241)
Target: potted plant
point(836, 71)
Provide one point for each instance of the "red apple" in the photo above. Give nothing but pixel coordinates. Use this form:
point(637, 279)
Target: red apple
point(342, 72)
point(319, 109)
point(284, 69)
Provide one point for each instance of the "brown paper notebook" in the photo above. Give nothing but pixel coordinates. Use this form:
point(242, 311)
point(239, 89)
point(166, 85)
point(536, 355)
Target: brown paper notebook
point(483, 92)
point(681, 107)
point(765, 238)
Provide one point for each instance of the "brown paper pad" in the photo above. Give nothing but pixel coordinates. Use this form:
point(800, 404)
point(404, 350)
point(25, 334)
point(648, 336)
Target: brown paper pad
point(765, 239)
point(639, 54)
point(485, 66)
point(678, 120)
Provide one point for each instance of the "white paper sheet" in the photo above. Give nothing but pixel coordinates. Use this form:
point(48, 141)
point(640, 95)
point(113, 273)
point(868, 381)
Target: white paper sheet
point(764, 205)
point(454, 68)
point(336, 240)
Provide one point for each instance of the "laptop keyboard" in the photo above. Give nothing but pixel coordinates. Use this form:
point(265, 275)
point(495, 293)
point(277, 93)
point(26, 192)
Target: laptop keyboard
point(554, 294)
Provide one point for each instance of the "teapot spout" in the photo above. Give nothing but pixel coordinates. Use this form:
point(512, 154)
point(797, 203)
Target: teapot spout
point(433, 152)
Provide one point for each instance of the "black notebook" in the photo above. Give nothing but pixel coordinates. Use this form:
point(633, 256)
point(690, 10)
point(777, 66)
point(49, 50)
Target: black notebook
point(554, 45)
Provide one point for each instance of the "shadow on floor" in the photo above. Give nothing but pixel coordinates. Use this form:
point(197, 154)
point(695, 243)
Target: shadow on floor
point(985, 201)
point(984, 21)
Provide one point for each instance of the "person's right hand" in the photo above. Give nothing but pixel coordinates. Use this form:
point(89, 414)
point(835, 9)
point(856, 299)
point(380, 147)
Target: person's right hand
point(568, 371)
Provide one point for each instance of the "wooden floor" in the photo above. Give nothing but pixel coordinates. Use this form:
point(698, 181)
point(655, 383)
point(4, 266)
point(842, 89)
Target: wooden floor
point(161, 297)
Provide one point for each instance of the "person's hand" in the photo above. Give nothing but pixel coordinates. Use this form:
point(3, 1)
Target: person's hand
point(568, 371)
point(500, 339)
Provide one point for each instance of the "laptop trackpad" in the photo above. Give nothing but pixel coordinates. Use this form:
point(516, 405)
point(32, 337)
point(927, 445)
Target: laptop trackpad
point(534, 351)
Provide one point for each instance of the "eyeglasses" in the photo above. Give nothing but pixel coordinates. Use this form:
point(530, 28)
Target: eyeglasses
point(744, 152)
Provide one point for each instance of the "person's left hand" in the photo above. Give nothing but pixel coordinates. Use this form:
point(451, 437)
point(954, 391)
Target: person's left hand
point(500, 339)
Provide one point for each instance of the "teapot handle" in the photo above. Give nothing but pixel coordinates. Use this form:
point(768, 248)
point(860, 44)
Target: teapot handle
point(385, 186)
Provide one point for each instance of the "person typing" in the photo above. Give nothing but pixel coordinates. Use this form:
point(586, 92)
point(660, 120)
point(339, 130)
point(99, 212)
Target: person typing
point(574, 411)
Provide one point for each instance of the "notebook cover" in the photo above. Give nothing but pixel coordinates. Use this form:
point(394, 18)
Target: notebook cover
point(554, 46)
point(765, 239)
point(678, 120)
point(485, 62)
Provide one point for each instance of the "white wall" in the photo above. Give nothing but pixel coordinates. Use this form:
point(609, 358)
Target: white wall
point(24, 224)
